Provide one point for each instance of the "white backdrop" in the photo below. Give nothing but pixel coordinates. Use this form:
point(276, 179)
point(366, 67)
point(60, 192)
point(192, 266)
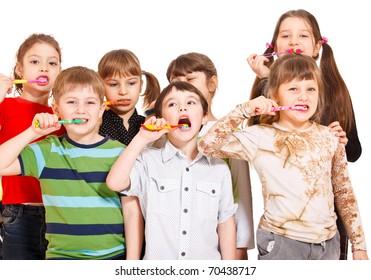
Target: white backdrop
point(226, 31)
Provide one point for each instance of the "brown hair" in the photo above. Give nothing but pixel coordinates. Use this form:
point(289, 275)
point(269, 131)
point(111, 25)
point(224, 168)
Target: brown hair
point(124, 63)
point(191, 62)
point(180, 86)
point(27, 44)
point(78, 77)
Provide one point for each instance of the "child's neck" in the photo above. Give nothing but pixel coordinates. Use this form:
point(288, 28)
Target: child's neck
point(189, 148)
point(40, 98)
point(294, 125)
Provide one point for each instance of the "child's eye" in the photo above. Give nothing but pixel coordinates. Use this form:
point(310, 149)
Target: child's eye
point(34, 61)
point(53, 63)
point(312, 89)
point(91, 102)
point(112, 84)
point(133, 83)
point(304, 36)
point(71, 102)
point(191, 102)
point(294, 90)
point(172, 104)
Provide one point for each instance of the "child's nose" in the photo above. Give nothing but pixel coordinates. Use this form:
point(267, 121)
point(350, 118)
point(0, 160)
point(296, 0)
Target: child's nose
point(43, 67)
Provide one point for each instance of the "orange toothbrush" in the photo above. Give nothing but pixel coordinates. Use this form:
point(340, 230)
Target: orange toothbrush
point(152, 127)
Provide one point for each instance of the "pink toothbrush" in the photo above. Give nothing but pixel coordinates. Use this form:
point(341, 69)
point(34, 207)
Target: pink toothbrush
point(297, 108)
point(40, 80)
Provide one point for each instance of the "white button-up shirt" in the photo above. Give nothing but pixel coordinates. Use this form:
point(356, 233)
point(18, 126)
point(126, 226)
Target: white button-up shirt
point(182, 203)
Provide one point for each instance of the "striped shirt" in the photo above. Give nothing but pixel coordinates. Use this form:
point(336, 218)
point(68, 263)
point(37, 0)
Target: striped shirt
point(83, 216)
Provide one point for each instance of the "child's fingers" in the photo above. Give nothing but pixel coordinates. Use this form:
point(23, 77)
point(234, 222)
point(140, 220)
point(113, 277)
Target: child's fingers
point(45, 120)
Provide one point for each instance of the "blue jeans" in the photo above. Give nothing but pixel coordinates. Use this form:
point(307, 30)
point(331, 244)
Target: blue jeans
point(23, 232)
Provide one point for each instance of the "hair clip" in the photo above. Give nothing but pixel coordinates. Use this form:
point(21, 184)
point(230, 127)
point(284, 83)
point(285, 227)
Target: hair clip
point(324, 40)
point(268, 45)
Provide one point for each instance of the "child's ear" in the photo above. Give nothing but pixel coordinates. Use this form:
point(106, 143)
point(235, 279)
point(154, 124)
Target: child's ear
point(317, 48)
point(103, 108)
point(55, 108)
point(18, 70)
point(205, 119)
point(212, 84)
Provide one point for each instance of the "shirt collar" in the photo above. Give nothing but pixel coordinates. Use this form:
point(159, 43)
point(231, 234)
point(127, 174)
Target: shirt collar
point(169, 152)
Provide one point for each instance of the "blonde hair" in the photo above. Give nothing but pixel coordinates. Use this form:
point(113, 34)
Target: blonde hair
point(78, 77)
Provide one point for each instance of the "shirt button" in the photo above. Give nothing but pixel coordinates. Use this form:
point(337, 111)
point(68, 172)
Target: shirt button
point(162, 188)
point(187, 169)
point(185, 210)
point(184, 232)
point(186, 189)
point(183, 254)
point(213, 191)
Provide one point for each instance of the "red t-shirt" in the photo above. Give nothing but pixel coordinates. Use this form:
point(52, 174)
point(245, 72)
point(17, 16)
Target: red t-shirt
point(16, 115)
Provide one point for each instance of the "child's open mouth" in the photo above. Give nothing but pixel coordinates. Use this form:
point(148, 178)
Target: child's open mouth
point(185, 121)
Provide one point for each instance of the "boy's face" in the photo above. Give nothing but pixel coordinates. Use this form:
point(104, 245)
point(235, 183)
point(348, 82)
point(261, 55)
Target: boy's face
point(183, 107)
point(123, 89)
point(80, 103)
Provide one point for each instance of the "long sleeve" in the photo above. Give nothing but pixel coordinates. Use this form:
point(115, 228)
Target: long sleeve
point(221, 134)
point(345, 200)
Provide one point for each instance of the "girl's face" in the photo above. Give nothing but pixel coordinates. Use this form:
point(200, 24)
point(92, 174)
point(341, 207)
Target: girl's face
point(123, 89)
point(295, 33)
point(40, 61)
point(201, 82)
point(298, 93)
point(81, 103)
point(185, 107)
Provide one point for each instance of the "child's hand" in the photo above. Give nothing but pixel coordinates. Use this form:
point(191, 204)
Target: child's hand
point(45, 123)
point(257, 64)
point(6, 86)
point(153, 135)
point(360, 255)
point(338, 132)
point(262, 105)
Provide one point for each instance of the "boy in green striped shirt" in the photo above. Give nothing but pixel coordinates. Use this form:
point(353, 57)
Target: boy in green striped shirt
point(83, 216)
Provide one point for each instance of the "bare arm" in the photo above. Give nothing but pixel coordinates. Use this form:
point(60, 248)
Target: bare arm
point(9, 151)
point(227, 239)
point(6, 86)
point(134, 227)
point(118, 178)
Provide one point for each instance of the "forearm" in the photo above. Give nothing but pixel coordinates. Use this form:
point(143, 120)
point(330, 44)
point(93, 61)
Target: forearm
point(227, 239)
point(10, 150)
point(134, 227)
point(219, 134)
point(118, 178)
point(346, 202)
